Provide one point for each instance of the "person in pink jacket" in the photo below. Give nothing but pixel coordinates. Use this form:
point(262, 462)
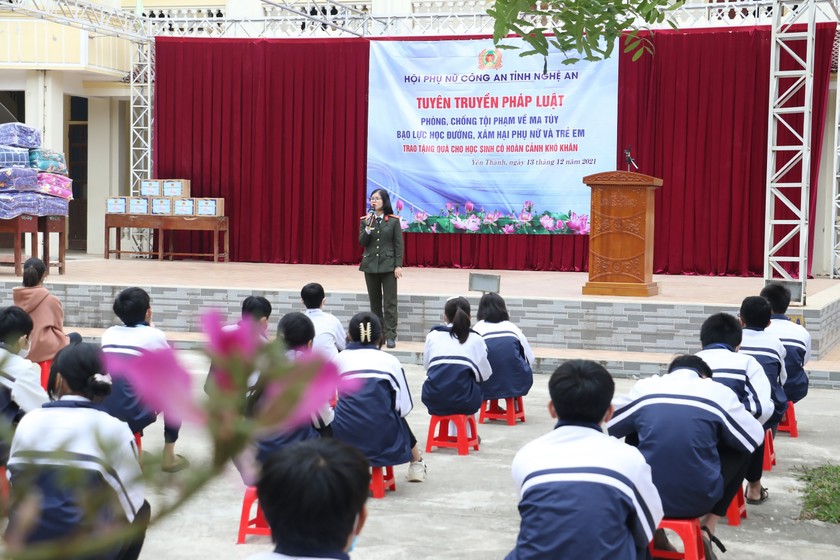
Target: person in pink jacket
point(47, 336)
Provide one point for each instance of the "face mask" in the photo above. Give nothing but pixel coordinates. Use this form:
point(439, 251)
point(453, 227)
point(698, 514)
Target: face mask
point(353, 544)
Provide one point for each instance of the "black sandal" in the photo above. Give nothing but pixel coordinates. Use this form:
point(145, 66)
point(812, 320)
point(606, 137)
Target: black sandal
point(764, 494)
point(708, 539)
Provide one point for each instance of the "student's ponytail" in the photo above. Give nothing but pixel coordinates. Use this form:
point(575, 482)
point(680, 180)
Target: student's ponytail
point(457, 312)
point(34, 270)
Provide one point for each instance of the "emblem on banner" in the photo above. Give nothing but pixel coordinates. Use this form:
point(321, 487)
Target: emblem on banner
point(489, 59)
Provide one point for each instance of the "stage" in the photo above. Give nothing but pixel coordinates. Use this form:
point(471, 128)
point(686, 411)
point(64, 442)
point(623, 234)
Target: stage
point(632, 336)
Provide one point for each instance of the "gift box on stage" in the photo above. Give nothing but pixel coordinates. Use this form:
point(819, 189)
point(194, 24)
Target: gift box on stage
point(116, 205)
point(138, 205)
point(161, 206)
point(151, 187)
point(209, 206)
point(183, 207)
point(20, 135)
point(49, 161)
point(177, 188)
point(11, 156)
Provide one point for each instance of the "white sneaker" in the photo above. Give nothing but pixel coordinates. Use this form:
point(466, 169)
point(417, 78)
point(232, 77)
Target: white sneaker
point(416, 471)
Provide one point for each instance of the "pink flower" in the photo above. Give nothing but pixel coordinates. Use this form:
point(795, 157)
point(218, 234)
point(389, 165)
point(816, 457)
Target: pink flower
point(403, 224)
point(469, 206)
point(528, 206)
point(508, 229)
point(242, 339)
point(307, 386)
point(450, 206)
point(458, 223)
point(473, 223)
point(160, 381)
point(492, 217)
point(559, 226)
point(400, 205)
point(420, 216)
point(547, 222)
point(434, 228)
point(578, 224)
point(525, 216)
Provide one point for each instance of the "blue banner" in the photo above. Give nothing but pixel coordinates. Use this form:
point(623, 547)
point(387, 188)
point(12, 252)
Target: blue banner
point(468, 138)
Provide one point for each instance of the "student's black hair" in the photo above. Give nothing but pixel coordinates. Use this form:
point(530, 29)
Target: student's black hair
point(492, 308)
point(312, 295)
point(78, 365)
point(386, 201)
point(14, 323)
point(721, 328)
point(256, 307)
point(457, 312)
point(779, 297)
point(755, 312)
point(296, 329)
point(688, 361)
point(131, 305)
point(312, 493)
point(581, 390)
point(365, 328)
point(34, 271)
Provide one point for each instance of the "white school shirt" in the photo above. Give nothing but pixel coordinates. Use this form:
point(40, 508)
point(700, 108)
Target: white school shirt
point(330, 338)
point(23, 379)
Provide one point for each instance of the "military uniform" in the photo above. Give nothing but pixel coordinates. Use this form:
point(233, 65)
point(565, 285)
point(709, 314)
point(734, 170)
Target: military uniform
point(383, 253)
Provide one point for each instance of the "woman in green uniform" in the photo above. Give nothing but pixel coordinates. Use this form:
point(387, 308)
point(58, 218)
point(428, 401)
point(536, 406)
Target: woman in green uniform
point(380, 233)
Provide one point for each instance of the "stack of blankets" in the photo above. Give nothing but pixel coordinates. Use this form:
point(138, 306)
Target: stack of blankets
point(32, 180)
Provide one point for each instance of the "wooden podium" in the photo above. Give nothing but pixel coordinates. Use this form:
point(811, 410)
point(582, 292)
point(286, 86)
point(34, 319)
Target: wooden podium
point(621, 234)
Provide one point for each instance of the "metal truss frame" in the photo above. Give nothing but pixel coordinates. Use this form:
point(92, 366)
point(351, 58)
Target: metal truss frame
point(790, 121)
point(788, 164)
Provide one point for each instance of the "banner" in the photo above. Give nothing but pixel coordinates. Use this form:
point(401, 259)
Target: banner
point(468, 138)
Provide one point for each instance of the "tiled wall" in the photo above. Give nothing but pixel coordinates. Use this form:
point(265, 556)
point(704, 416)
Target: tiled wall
point(634, 327)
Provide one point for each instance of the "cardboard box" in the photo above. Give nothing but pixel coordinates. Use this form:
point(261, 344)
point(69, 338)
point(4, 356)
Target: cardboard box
point(138, 205)
point(209, 206)
point(177, 188)
point(151, 187)
point(161, 206)
point(183, 207)
point(116, 205)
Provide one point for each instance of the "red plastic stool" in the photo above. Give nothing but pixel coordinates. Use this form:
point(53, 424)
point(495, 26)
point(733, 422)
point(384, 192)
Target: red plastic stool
point(788, 423)
point(381, 481)
point(442, 439)
point(737, 510)
point(248, 525)
point(513, 411)
point(769, 451)
point(692, 537)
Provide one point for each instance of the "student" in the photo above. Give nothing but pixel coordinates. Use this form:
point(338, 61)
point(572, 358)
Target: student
point(47, 316)
point(313, 497)
point(770, 353)
point(583, 494)
point(71, 440)
point(134, 336)
point(18, 375)
point(795, 338)
point(721, 336)
point(696, 436)
point(456, 362)
point(371, 418)
point(297, 333)
point(508, 351)
point(330, 338)
point(256, 309)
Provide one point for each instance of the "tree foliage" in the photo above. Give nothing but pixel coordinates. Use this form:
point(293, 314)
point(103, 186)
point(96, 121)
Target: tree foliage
point(580, 29)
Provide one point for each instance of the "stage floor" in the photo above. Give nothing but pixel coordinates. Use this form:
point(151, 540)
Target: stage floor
point(427, 281)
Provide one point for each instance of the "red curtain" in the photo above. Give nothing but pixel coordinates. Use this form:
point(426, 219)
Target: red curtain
point(278, 128)
point(696, 116)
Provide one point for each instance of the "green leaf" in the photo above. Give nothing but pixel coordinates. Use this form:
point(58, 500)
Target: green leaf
point(638, 54)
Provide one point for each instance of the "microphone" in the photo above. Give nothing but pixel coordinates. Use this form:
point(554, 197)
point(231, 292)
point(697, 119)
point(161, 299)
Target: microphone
point(629, 159)
point(371, 216)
